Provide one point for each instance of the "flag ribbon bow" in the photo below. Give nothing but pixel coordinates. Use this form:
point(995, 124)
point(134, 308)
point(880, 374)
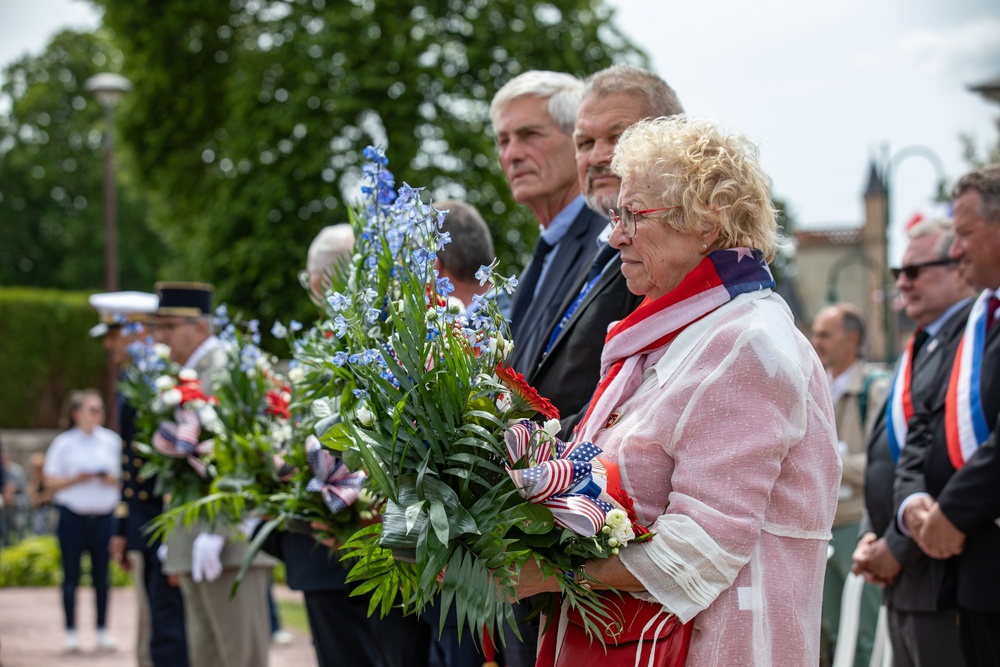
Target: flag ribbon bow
point(339, 486)
point(180, 439)
point(561, 478)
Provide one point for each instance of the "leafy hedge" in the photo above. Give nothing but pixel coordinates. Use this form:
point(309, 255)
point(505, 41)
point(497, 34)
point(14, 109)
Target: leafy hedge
point(45, 353)
point(35, 562)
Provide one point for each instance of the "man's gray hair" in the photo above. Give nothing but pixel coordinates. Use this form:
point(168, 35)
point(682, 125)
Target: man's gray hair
point(658, 98)
point(940, 226)
point(471, 243)
point(330, 246)
point(563, 91)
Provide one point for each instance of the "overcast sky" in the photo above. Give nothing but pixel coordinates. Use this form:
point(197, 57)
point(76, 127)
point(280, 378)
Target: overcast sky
point(820, 85)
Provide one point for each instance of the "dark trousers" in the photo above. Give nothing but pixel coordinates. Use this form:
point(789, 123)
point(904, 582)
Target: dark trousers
point(978, 631)
point(167, 641)
point(521, 653)
point(341, 631)
point(78, 534)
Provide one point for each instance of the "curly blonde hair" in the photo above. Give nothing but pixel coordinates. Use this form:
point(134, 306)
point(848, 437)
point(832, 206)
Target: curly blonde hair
point(715, 177)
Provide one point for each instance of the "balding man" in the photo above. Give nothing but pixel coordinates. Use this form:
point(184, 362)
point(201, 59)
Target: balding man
point(838, 335)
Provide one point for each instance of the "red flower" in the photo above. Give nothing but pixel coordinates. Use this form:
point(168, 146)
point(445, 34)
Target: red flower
point(278, 402)
point(191, 391)
point(523, 394)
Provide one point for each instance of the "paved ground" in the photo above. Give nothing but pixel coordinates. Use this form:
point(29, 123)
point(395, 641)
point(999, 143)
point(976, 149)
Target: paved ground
point(31, 631)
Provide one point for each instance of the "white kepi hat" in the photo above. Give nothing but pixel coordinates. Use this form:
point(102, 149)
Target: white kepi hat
point(118, 308)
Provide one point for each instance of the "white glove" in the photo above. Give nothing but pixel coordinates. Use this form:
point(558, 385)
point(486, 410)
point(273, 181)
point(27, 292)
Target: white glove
point(161, 553)
point(205, 562)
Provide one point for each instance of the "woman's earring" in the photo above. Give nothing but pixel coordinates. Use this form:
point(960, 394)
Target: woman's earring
point(704, 246)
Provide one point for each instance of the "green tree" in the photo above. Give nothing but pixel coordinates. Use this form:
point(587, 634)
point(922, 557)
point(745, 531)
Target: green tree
point(51, 211)
point(248, 118)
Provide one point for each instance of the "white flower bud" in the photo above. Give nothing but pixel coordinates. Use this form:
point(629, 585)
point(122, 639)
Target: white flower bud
point(171, 398)
point(622, 534)
point(296, 375)
point(552, 427)
point(165, 382)
point(365, 415)
point(188, 375)
point(616, 518)
point(162, 351)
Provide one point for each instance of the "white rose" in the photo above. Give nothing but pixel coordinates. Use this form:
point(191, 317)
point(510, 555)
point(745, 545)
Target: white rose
point(623, 534)
point(164, 382)
point(188, 375)
point(552, 427)
point(209, 418)
point(296, 375)
point(171, 397)
point(365, 415)
point(616, 518)
point(162, 351)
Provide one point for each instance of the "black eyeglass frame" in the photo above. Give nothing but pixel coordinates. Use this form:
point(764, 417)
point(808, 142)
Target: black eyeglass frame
point(912, 271)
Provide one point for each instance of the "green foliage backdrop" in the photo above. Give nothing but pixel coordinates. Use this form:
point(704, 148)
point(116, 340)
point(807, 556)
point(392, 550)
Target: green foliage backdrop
point(44, 353)
point(248, 117)
point(51, 209)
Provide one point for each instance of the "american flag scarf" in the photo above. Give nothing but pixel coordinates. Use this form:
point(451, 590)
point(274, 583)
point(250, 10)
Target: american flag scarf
point(964, 419)
point(718, 278)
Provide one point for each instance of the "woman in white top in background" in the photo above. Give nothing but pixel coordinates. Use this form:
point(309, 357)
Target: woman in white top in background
point(81, 467)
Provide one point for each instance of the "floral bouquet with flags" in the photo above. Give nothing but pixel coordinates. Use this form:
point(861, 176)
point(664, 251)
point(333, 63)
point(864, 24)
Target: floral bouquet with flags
point(176, 423)
point(472, 492)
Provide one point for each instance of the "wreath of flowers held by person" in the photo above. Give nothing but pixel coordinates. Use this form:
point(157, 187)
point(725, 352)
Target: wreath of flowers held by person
point(176, 423)
point(433, 412)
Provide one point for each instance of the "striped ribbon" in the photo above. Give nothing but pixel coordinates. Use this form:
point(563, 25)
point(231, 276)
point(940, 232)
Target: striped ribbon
point(561, 478)
point(180, 439)
point(336, 483)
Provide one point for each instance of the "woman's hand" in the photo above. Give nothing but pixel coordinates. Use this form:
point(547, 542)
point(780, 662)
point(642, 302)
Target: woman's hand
point(532, 581)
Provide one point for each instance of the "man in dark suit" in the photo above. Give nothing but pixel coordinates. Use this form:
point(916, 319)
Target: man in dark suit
point(533, 117)
point(947, 483)
point(938, 300)
point(566, 367)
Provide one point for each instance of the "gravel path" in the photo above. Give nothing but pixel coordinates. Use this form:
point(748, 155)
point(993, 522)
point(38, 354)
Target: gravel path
point(31, 633)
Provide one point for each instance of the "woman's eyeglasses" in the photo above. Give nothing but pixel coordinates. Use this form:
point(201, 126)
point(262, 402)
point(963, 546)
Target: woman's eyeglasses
point(912, 271)
point(628, 217)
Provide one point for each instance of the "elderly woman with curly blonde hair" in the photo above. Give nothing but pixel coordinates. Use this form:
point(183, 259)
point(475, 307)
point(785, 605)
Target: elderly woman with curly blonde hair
point(718, 414)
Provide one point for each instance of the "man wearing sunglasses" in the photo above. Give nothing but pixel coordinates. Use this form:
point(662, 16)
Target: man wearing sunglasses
point(948, 473)
point(938, 299)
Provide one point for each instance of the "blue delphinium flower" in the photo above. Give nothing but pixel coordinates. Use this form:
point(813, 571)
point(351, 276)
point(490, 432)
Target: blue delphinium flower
point(278, 330)
point(340, 326)
point(295, 326)
point(339, 358)
point(444, 286)
point(338, 302)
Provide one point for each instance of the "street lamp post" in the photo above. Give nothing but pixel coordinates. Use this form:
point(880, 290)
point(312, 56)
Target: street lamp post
point(108, 88)
point(890, 164)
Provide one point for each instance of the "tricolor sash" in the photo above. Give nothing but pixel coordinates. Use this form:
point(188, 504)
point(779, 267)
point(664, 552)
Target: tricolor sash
point(965, 422)
point(899, 407)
